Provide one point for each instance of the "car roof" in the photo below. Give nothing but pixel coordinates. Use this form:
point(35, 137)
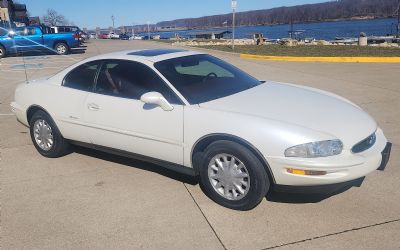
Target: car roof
point(149, 55)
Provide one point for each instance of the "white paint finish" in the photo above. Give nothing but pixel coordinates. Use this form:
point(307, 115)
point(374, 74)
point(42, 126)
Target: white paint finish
point(302, 107)
point(133, 126)
point(271, 117)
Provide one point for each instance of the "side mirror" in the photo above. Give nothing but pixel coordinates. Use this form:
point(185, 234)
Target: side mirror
point(157, 99)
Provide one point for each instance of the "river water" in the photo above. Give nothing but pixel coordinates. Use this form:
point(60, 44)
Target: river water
point(322, 30)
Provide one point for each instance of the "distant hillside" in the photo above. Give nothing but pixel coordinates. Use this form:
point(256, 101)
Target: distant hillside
point(333, 10)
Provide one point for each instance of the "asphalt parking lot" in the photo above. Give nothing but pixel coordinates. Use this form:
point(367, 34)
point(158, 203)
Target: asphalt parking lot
point(90, 200)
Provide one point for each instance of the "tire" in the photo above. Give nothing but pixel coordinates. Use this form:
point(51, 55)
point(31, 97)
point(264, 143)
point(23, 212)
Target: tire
point(257, 182)
point(42, 128)
point(61, 48)
point(2, 52)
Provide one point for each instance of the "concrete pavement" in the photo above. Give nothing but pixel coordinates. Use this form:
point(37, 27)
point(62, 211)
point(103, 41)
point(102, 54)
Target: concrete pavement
point(91, 200)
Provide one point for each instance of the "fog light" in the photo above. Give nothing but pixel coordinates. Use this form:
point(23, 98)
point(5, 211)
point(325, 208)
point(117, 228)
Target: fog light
point(305, 172)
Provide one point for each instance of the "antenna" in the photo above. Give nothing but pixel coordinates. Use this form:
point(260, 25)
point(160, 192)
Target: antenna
point(23, 60)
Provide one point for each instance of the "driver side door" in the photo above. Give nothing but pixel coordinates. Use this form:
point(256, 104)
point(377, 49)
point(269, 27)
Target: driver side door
point(119, 120)
point(28, 39)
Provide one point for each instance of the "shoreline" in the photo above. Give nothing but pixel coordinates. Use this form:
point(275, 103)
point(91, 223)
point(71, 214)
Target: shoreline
point(351, 19)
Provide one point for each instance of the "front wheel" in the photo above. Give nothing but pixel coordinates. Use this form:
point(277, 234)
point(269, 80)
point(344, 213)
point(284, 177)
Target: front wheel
point(61, 48)
point(2, 52)
point(232, 176)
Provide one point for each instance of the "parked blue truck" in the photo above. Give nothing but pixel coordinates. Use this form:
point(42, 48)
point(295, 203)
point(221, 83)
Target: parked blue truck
point(36, 38)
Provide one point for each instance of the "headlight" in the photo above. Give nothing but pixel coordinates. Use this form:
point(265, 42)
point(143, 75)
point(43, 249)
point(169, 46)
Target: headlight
point(315, 149)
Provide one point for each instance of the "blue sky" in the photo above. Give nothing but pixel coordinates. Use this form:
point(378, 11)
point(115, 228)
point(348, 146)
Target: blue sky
point(90, 13)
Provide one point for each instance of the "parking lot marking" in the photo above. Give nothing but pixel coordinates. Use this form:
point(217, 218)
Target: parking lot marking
point(28, 69)
point(7, 114)
point(332, 234)
point(324, 59)
point(205, 217)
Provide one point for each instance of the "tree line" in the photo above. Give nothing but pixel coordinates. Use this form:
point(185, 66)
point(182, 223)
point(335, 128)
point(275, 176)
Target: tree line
point(333, 10)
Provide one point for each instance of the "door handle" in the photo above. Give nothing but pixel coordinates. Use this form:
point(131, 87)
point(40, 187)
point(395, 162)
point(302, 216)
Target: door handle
point(93, 107)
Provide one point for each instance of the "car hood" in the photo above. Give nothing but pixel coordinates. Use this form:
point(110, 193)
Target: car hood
point(302, 106)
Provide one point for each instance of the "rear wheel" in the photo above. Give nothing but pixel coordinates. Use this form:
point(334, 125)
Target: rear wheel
point(61, 48)
point(2, 51)
point(232, 176)
point(46, 137)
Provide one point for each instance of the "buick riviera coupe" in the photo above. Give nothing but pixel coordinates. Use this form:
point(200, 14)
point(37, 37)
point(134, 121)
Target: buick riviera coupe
point(194, 113)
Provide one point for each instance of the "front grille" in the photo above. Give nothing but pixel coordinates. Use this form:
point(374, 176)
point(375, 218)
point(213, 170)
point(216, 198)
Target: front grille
point(364, 144)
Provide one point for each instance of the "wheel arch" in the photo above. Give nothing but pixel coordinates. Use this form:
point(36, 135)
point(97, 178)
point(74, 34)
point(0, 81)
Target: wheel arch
point(33, 109)
point(60, 41)
point(4, 47)
point(202, 143)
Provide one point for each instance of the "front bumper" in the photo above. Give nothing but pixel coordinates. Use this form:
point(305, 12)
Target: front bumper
point(341, 168)
point(19, 113)
point(385, 156)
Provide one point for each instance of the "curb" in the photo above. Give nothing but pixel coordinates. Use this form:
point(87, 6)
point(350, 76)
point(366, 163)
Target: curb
point(324, 59)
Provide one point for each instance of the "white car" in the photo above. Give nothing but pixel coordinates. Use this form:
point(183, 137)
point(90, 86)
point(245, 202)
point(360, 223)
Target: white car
point(136, 38)
point(196, 114)
point(112, 35)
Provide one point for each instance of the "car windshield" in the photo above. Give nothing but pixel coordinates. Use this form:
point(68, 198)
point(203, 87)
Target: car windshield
point(203, 78)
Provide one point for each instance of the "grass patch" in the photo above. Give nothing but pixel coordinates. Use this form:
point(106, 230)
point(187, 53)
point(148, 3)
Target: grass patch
point(310, 51)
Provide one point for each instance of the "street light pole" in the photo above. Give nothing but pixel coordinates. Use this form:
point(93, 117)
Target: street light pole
point(113, 19)
point(148, 29)
point(398, 20)
point(234, 5)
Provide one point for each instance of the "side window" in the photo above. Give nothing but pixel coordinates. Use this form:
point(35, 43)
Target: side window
point(131, 80)
point(20, 31)
point(82, 77)
point(30, 31)
point(25, 31)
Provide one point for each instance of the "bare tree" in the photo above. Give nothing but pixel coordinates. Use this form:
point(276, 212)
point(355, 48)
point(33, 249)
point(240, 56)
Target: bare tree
point(52, 18)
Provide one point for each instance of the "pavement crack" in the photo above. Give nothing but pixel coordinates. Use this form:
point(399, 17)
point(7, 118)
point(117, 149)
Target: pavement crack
point(333, 234)
point(208, 222)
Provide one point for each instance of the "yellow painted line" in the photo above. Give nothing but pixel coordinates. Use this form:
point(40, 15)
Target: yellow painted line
point(324, 59)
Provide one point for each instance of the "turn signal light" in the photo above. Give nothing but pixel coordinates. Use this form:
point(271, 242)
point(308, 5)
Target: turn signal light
point(305, 172)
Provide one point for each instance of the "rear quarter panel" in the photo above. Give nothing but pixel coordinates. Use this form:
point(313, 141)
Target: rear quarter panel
point(59, 102)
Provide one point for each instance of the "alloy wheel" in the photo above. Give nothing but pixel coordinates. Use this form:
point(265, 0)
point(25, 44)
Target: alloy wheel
point(61, 49)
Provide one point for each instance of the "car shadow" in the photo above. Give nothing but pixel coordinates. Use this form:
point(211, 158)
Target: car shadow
point(278, 195)
point(45, 53)
point(137, 164)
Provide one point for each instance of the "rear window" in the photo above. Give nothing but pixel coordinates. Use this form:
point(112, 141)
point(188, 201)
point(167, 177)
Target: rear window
point(82, 77)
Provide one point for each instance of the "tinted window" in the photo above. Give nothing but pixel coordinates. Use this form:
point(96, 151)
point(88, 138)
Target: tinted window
point(25, 31)
point(82, 77)
point(131, 80)
point(203, 78)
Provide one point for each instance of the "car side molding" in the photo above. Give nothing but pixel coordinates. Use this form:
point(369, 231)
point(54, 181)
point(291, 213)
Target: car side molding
point(165, 164)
